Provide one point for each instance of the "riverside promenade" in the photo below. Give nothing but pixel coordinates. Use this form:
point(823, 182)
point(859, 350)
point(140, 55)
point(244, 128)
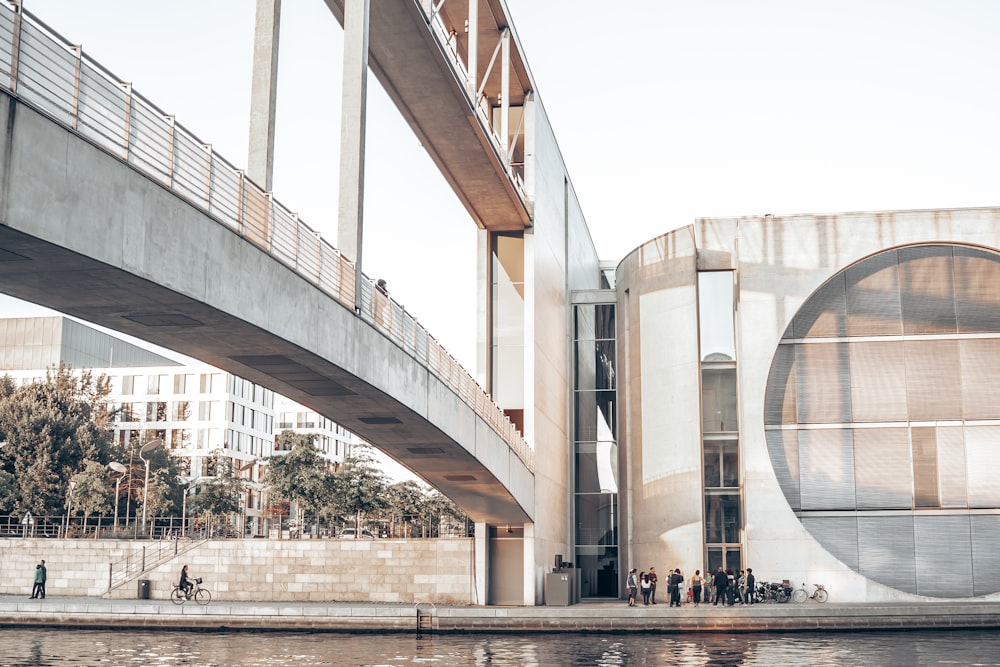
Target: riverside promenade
point(603, 616)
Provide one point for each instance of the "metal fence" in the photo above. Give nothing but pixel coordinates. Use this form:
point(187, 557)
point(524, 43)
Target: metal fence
point(43, 70)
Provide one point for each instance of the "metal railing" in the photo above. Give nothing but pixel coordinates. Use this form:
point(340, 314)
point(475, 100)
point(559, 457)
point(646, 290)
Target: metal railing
point(43, 70)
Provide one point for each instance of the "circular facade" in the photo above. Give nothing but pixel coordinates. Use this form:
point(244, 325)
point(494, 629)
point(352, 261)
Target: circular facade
point(882, 418)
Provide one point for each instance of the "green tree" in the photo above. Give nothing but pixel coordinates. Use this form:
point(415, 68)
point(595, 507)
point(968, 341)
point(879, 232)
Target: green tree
point(91, 490)
point(51, 429)
point(440, 509)
point(359, 487)
point(300, 476)
point(405, 505)
point(222, 492)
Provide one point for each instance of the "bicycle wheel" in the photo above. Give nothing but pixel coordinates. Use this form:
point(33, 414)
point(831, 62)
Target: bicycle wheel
point(177, 596)
point(822, 595)
point(783, 595)
point(202, 596)
point(799, 595)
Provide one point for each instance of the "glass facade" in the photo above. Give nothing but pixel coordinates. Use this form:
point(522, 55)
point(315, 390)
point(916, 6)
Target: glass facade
point(719, 420)
point(507, 324)
point(596, 449)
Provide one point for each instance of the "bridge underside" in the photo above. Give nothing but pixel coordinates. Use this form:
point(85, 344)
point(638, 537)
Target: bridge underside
point(88, 236)
point(415, 72)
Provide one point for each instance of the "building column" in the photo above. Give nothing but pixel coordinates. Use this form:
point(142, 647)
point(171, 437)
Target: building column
point(264, 94)
point(352, 137)
point(482, 564)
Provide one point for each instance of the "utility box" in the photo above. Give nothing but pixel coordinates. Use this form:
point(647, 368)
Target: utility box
point(143, 589)
point(559, 588)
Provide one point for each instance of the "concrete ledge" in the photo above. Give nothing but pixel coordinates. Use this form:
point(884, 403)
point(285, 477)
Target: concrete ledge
point(587, 617)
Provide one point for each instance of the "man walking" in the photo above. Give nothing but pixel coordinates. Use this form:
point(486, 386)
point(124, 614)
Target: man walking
point(652, 585)
point(41, 574)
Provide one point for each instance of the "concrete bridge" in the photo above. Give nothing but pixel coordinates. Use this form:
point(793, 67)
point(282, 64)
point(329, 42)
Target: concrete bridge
point(113, 213)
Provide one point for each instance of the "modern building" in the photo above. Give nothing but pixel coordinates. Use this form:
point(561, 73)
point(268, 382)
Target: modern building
point(816, 397)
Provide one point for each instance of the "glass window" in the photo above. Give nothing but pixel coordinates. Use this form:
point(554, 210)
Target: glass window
point(718, 400)
point(595, 518)
point(596, 467)
point(156, 411)
point(722, 518)
point(182, 410)
point(716, 316)
point(721, 464)
point(507, 292)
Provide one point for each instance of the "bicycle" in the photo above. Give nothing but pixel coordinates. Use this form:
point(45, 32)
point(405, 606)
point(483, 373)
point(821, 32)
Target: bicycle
point(199, 594)
point(819, 594)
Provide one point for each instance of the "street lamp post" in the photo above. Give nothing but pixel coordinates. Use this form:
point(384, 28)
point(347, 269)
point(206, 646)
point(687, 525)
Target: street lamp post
point(120, 469)
point(152, 444)
point(69, 506)
point(184, 502)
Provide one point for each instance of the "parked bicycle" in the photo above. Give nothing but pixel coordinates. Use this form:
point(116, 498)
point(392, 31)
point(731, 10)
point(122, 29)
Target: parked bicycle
point(198, 594)
point(772, 592)
point(819, 594)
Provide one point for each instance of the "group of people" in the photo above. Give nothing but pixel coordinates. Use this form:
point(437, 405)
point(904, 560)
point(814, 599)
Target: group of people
point(723, 586)
point(645, 583)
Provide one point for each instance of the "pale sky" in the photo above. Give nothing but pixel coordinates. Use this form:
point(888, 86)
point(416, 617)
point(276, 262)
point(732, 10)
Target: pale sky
point(664, 111)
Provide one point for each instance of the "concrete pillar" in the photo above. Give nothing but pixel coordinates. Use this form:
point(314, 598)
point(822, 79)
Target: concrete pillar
point(352, 136)
point(264, 94)
point(482, 571)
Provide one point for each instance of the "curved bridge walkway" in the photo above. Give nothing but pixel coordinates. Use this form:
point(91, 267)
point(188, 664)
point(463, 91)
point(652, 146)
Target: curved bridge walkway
point(115, 214)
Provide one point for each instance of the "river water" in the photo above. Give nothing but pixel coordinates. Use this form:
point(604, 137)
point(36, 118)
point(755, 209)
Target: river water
point(60, 647)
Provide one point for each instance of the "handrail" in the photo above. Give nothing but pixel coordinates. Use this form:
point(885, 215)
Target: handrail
point(47, 73)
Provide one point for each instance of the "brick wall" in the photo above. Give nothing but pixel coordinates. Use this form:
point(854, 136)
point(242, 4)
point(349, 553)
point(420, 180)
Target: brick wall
point(408, 571)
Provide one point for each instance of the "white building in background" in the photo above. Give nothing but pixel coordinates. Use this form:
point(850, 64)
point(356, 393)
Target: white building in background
point(332, 440)
point(196, 409)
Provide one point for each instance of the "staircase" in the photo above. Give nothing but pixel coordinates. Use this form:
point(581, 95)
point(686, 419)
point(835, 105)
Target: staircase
point(146, 558)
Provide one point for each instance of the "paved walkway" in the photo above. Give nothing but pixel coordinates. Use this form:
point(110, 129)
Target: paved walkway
point(602, 616)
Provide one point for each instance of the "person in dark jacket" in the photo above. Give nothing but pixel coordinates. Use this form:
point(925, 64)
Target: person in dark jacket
point(675, 588)
point(751, 585)
point(721, 582)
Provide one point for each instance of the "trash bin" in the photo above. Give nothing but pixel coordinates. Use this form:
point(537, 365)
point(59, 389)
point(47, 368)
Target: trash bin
point(144, 589)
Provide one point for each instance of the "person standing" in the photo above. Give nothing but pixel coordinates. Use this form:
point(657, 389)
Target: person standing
point(652, 585)
point(631, 584)
point(721, 581)
point(696, 581)
point(751, 585)
point(675, 588)
point(45, 576)
point(645, 585)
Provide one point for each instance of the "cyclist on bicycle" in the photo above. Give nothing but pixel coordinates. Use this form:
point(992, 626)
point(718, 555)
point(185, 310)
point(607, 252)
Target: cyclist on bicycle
point(185, 583)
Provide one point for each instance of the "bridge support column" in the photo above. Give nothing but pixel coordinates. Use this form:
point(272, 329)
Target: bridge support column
point(352, 137)
point(482, 564)
point(264, 93)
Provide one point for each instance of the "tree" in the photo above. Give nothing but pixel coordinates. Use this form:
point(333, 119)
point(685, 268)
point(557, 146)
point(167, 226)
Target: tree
point(91, 490)
point(300, 476)
point(405, 504)
point(51, 429)
point(359, 487)
point(222, 493)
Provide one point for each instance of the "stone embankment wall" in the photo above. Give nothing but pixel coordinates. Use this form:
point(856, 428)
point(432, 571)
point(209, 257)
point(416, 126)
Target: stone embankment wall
point(402, 571)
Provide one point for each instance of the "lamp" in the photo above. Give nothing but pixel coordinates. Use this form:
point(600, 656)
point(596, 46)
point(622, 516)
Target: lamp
point(152, 444)
point(121, 469)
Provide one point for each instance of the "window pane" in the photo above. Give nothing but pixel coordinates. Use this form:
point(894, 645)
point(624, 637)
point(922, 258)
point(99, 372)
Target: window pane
point(718, 399)
point(715, 316)
point(595, 517)
point(596, 467)
point(722, 518)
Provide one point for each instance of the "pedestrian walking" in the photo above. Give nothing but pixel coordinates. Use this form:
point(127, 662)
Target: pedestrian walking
point(41, 574)
point(652, 585)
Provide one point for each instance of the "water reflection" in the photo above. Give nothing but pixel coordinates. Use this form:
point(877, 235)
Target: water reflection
point(49, 647)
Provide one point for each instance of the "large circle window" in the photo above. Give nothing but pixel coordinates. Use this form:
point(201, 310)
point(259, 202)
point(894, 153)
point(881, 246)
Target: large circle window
point(882, 417)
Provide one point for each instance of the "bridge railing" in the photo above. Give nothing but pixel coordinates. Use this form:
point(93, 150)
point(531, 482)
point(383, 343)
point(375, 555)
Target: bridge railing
point(45, 71)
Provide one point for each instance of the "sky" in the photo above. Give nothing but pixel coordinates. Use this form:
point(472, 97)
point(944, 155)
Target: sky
point(664, 110)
